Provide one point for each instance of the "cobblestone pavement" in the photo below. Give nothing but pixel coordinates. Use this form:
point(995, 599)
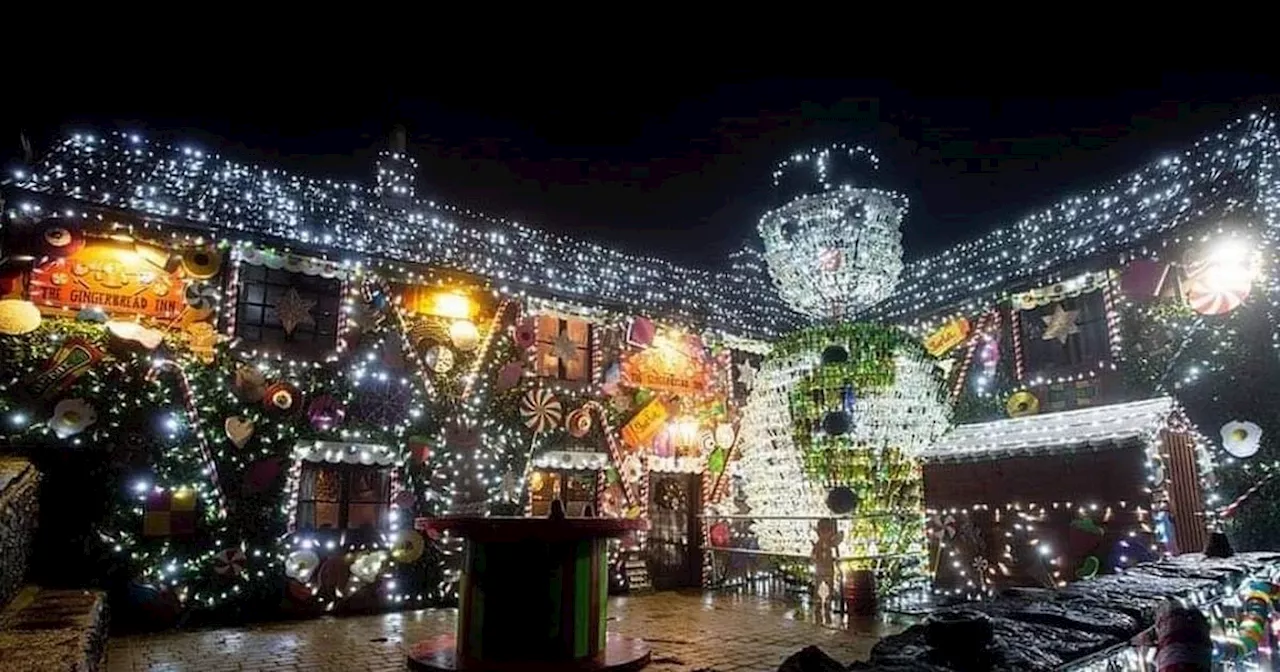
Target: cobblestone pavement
point(688, 631)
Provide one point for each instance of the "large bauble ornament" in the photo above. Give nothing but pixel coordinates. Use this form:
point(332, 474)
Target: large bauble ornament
point(464, 335)
point(842, 500)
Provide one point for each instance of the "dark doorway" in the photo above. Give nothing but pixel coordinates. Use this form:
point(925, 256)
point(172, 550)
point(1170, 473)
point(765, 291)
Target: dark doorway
point(675, 543)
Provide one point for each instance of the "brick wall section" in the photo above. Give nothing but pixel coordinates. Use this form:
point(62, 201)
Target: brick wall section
point(19, 504)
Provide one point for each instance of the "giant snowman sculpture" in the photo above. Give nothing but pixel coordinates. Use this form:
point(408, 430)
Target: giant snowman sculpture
point(838, 410)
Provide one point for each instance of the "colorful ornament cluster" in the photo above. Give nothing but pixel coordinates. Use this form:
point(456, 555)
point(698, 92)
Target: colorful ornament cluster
point(1258, 604)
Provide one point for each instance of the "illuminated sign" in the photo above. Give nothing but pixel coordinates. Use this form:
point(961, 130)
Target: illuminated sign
point(675, 364)
point(112, 276)
point(947, 337)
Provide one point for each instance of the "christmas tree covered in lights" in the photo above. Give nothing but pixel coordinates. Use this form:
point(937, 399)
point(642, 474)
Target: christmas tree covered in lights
point(838, 409)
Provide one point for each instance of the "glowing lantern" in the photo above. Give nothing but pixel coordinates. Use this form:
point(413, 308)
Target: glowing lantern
point(685, 432)
point(451, 305)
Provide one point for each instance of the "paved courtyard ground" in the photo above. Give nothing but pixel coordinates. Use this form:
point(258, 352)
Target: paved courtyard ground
point(688, 631)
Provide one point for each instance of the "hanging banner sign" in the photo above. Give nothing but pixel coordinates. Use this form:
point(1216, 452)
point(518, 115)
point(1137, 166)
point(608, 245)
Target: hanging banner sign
point(670, 364)
point(645, 425)
point(947, 336)
point(112, 276)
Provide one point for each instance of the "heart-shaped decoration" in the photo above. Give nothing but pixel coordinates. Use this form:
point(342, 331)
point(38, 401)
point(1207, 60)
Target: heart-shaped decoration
point(239, 430)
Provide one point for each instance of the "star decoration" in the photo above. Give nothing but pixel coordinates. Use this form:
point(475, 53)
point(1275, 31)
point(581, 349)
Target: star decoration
point(946, 365)
point(294, 310)
point(746, 375)
point(1060, 325)
point(564, 347)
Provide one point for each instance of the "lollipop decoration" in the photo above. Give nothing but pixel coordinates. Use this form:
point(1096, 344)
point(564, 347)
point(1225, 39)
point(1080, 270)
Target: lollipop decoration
point(540, 410)
point(1220, 281)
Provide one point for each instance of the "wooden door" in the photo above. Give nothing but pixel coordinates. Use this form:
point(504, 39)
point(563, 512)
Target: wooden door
point(675, 544)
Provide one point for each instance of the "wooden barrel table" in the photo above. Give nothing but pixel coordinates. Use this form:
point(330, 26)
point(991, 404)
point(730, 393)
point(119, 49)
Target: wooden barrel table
point(533, 596)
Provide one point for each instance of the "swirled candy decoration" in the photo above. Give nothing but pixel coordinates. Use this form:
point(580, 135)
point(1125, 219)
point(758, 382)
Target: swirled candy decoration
point(229, 562)
point(578, 423)
point(201, 296)
point(440, 359)
point(1217, 299)
point(541, 410)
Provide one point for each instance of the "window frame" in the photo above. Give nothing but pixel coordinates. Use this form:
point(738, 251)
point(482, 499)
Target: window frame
point(321, 337)
point(346, 474)
point(544, 346)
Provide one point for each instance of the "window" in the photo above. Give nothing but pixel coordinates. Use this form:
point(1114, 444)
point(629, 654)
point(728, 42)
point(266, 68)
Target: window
point(309, 327)
point(575, 488)
point(1079, 339)
point(342, 496)
point(563, 348)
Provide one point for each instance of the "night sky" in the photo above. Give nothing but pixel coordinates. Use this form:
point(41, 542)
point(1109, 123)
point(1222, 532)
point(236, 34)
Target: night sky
point(656, 158)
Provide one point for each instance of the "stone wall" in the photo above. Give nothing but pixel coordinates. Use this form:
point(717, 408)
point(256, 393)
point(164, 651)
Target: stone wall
point(19, 506)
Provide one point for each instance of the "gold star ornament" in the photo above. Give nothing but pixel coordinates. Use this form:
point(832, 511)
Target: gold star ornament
point(1060, 324)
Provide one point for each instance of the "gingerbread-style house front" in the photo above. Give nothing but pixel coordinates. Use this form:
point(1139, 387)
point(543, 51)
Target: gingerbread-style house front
point(1063, 495)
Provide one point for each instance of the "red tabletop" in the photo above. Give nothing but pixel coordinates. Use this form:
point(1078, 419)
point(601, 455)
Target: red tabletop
point(512, 529)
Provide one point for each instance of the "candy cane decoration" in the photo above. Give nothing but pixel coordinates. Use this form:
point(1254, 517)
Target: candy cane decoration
point(1015, 321)
point(495, 323)
point(193, 417)
point(615, 451)
point(1230, 509)
point(427, 386)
